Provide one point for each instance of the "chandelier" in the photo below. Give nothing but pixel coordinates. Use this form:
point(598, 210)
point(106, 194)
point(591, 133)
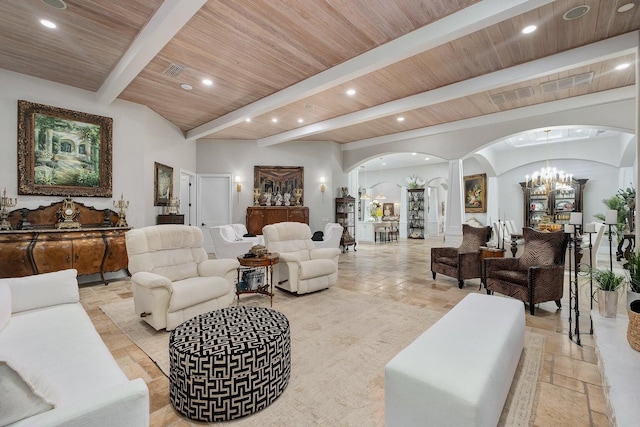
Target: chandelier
point(364, 195)
point(548, 179)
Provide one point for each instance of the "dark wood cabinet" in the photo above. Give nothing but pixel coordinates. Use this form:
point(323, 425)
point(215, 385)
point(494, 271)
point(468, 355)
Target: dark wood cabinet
point(543, 206)
point(41, 248)
point(170, 219)
point(259, 216)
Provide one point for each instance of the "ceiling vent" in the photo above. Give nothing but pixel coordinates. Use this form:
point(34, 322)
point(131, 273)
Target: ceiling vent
point(512, 95)
point(174, 70)
point(567, 83)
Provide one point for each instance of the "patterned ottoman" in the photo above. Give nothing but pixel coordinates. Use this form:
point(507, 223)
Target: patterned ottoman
point(229, 363)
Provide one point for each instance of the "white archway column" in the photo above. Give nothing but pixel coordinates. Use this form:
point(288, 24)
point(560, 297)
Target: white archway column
point(454, 211)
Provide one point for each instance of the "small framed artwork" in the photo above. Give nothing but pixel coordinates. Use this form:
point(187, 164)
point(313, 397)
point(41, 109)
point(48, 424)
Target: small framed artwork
point(475, 193)
point(63, 152)
point(162, 184)
point(387, 209)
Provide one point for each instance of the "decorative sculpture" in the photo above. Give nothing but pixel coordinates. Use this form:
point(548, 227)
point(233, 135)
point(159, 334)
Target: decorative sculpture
point(297, 193)
point(256, 197)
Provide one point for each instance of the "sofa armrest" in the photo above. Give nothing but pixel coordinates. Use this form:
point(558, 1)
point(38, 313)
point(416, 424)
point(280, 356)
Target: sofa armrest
point(151, 280)
point(126, 404)
point(496, 264)
point(43, 290)
point(218, 267)
point(290, 257)
point(324, 253)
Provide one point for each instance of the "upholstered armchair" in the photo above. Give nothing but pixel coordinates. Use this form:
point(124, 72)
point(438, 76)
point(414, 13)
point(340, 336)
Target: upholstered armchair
point(331, 236)
point(230, 242)
point(462, 262)
point(172, 278)
point(302, 267)
point(534, 277)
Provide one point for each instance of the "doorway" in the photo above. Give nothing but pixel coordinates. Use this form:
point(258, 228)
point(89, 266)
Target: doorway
point(214, 203)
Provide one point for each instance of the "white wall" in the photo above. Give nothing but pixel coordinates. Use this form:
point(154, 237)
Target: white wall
point(319, 159)
point(140, 138)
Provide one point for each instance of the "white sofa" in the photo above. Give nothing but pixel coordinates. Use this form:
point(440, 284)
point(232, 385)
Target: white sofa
point(330, 236)
point(302, 267)
point(229, 241)
point(55, 370)
point(172, 277)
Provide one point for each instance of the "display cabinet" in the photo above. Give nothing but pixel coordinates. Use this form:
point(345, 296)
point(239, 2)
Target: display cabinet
point(415, 213)
point(346, 217)
point(542, 206)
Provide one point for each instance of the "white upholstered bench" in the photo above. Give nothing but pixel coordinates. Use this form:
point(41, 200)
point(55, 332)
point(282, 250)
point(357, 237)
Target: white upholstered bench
point(459, 371)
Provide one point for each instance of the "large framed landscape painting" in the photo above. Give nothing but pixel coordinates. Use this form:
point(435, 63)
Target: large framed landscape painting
point(63, 152)
point(162, 184)
point(475, 193)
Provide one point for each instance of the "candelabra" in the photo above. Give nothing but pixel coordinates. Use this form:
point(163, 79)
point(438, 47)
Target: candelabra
point(122, 207)
point(6, 202)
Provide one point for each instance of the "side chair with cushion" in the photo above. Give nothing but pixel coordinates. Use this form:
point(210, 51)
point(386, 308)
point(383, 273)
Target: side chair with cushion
point(462, 262)
point(537, 275)
point(172, 278)
point(302, 267)
point(330, 237)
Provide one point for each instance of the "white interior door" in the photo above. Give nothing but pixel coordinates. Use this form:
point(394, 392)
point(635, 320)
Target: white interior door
point(213, 203)
point(187, 196)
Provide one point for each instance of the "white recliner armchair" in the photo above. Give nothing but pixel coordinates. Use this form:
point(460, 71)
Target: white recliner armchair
point(229, 240)
point(172, 278)
point(302, 267)
point(330, 236)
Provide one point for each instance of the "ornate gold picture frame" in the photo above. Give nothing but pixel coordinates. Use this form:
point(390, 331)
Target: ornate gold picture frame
point(475, 193)
point(63, 152)
point(279, 179)
point(162, 184)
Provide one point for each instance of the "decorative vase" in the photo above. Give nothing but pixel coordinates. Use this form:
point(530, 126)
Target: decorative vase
point(607, 303)
point(256, 197)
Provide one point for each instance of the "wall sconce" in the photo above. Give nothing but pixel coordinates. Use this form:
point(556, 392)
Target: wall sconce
point(238, 184)
point(322, 187)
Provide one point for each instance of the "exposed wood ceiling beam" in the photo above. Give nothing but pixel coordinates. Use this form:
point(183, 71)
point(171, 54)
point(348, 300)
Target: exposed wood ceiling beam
point(599, 51)
point(452, 27)
point(165, 23)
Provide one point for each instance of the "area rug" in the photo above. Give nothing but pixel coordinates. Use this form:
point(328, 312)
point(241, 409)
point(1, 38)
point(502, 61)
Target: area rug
point(340, 342)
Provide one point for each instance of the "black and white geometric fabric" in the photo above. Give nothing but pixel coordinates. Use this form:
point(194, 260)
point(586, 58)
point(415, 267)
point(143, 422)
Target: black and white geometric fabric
point(229, 363)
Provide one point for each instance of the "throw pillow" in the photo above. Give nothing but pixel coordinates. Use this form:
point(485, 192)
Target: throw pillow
point(17, 400)
point(5, 305)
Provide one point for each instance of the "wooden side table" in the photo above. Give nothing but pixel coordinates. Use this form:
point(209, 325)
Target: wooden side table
point(487, 252)
point(267, 262)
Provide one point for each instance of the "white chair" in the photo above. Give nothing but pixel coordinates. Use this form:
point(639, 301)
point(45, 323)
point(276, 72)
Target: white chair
point(331, 236)
point(596, 241)
point(227, 243)
point(302, 267)
point(172, 278)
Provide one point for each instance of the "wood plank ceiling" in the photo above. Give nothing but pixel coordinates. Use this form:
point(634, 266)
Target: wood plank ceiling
point(431, 61)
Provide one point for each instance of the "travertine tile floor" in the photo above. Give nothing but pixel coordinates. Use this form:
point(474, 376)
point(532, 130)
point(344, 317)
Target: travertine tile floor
point(570, 392)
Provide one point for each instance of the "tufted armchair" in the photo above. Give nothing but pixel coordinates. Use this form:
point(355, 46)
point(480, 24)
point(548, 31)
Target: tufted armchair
point(462, 262)
point(172, 278)
point(331, 236)
point(537, 275)
point(302, 267)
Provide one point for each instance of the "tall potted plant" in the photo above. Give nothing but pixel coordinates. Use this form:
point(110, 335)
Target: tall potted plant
point(608, 285)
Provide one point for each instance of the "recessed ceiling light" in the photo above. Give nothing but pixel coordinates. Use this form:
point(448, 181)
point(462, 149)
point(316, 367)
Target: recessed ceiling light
point(207, 82)
point(623, 66)
point(56, 4)
point(274, 120)
point(186, 86)
point(384, 164)
point(626, 7)
point(300, 120)
point(576, 12)
point(351, 92)
point(426, 158)
point(47, 23)
point(413, 154)
point(309, 106)
point(400, 119)
point(248, 119)
point(529, 29)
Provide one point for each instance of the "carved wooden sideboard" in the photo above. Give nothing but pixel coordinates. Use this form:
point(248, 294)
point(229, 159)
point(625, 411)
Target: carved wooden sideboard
point(36, 246)
point(259, 216)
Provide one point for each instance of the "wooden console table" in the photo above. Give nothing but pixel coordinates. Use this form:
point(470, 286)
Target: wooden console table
point(35, 246)
point(259, 216)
